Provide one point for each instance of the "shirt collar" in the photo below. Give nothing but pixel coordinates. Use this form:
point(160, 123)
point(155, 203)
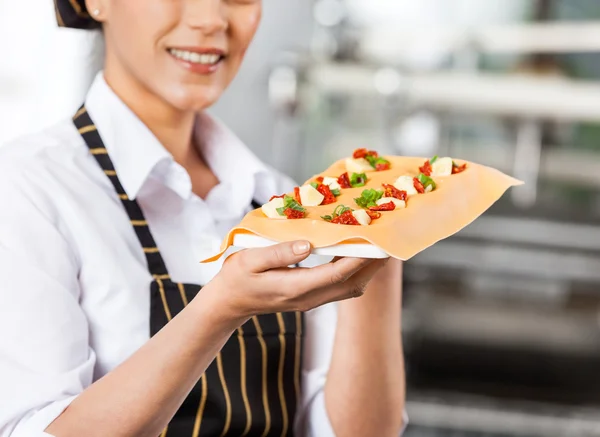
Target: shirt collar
point(137, 154)
point(133, 148)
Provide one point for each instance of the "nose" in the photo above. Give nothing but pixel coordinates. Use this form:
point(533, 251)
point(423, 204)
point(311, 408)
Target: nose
point(207, 15)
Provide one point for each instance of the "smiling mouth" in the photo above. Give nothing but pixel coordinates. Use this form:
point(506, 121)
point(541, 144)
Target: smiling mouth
point(208, 59)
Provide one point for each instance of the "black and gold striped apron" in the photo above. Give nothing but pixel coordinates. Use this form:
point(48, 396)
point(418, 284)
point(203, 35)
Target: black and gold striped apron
point(253, 386)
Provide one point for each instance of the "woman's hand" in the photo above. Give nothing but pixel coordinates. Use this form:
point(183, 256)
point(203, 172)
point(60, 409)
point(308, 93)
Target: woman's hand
point(259, 281)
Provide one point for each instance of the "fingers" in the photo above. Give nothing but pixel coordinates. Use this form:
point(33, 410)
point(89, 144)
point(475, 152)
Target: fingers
point(352, 288)
point(276, 256)
point(304, 280)
point(344, 279)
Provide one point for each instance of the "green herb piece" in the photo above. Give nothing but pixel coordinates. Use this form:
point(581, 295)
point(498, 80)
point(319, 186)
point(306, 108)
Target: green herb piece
point(427, 181)
point(315, 185)
point(376, 160)
point(336, 192)
point(290, 202)
point(432, 160)
point(368, 198)
point(338, 211)
point(358, 180)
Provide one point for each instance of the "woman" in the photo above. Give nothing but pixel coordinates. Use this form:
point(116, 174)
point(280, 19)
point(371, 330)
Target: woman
point(103, 331)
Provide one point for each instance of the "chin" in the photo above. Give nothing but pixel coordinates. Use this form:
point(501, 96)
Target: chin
point(193, 98)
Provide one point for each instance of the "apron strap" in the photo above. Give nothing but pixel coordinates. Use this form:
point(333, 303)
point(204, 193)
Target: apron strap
point(88, 131)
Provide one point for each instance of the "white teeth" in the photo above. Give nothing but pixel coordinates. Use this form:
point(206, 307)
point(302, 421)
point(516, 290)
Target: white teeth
point(196, 58)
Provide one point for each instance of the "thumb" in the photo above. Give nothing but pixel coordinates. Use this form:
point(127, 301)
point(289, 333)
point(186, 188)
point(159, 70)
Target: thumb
point(276, 256)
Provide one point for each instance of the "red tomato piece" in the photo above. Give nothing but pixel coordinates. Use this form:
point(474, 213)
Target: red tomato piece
point(346, 218)
point(363, 153)
point(426, 169)
point(391, 191)
point(297, 195)
point(293, 214)
point(319, 180)
point(326, 191)
point(458, 168)
point(277, 197)
point(382, 166)
point(390, 206)
point(360, 153)
point(373, 214)
point(418, 186)
point(344, 181)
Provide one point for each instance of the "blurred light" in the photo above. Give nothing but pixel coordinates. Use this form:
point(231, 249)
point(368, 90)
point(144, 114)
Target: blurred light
point(283, 86)
point(323, 44)
point(387, 81)
point(329, 13)
point(418, 135)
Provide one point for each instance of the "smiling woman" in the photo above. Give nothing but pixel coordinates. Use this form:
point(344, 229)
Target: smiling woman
point(125, 334)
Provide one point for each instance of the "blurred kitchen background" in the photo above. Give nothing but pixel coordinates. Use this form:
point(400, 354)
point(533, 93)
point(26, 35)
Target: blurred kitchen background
point(502, 321)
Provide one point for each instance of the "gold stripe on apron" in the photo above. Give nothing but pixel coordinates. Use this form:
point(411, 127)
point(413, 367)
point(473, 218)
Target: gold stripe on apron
point(86, 129)
point(161, 287)
point(182, 293)
point(226, 393)
point(200, 412)
point(297, 358)
point(284, 412)
point(265, 395)
point(82, 110)
point(243, 381)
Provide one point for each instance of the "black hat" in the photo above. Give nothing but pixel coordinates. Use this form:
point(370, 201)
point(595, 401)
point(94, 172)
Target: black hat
point(74, 14)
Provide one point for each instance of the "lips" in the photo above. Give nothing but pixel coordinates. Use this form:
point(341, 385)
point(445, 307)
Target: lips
point(198, 60)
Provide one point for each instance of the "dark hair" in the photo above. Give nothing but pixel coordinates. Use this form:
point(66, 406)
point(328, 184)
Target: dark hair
point(74, 14)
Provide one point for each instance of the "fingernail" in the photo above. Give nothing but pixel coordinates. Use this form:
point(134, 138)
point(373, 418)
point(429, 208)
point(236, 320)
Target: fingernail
point(301, 247)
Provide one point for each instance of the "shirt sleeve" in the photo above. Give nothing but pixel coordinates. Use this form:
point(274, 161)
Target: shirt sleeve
point(319, 324)
point(45, 358)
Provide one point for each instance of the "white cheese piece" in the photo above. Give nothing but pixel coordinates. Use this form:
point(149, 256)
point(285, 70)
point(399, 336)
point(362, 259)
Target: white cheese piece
point(406, 183)
point(400, 204)
point(270, 209)
point(332, 183)
point(309, 196)
point(442, 167)
point(362, 217)
point(360, 165)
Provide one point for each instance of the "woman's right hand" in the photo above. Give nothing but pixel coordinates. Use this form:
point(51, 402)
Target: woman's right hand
point(260, 281)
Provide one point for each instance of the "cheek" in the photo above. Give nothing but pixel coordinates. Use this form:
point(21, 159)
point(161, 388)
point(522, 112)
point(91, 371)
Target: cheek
point(140, 25)
point(245, 28)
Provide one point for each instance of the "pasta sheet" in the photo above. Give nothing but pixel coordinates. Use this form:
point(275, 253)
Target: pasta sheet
point(428, 218)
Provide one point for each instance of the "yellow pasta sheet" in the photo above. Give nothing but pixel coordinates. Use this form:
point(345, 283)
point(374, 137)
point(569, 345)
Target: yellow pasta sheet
point(428, 218)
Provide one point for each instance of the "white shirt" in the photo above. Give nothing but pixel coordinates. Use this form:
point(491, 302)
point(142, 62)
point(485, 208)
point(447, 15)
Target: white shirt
point(74, 287)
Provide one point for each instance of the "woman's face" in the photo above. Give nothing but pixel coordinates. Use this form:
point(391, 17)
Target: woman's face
point(184, 51)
